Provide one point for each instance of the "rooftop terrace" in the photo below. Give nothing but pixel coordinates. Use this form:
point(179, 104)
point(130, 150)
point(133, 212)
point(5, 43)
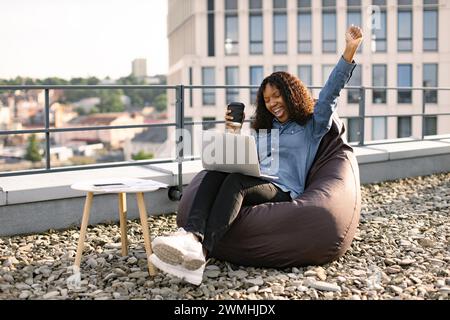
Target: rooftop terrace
point(401, 251)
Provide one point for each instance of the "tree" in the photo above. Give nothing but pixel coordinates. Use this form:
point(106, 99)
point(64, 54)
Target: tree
point(92, 81)
point(81, 111)
point(77, 81)
point(29, 82)
point(135, 95)
point(53, 81)
point(79, 94)
point(94, 110)
point(142, 155)
point(161, 102)
point(33, 154)
point(142, 97)
point(110, 101)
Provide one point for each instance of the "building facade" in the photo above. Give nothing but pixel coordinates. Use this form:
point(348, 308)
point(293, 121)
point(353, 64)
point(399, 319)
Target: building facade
point(139, 68)
point(230, 42)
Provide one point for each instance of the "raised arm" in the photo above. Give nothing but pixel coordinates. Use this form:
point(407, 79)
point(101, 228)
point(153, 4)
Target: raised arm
point(326, 104)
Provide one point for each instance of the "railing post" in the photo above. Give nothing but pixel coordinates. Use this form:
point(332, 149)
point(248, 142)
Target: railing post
point(423, 112)
point(47, 127)
point(362, 114)
point(179, 118)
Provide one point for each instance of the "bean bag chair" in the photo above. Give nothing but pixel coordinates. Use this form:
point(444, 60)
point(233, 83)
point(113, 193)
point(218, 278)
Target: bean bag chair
point(313, 229)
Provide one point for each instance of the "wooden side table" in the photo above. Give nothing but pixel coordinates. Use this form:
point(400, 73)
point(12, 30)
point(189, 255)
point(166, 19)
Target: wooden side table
point(121, 186)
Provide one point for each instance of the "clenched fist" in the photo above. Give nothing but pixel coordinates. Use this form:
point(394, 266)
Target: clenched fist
point(353, 36)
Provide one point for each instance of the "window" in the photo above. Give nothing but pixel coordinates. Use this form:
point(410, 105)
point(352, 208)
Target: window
point(326, 71)
point(403, 127)
point(353, 95)
point(256, 27)
point(280, 68)
point(404, 25)
point(328, 3)
point(255, 4)
point(430, 125)
point(280, 31)
point(379, 79)
point(231, 28)
point(304, 4)
point(430, 25)
point(256, 33)
point(378, 128)
point(207, 126)
point(231, 5)
point(256, 77)
point(232, 79)
point(353, 129)
point(305, 74)
point(379, 33)
point(211, 29)
point(354, 15)
point(304, 27)
point(279, 4)
point(430, 77)
point(404, 79)
point(208, 79)
point(328, 26)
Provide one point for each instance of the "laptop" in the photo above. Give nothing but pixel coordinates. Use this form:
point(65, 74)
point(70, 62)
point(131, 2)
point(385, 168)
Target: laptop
point(229, 152)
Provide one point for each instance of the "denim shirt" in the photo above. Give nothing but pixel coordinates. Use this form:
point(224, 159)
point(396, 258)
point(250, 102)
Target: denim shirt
point(297, 145)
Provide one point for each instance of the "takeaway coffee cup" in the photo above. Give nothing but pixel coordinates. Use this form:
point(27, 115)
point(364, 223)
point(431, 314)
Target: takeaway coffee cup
point(237, 112)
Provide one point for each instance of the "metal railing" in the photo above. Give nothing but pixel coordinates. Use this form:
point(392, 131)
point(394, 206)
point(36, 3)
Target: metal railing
point(179, 123)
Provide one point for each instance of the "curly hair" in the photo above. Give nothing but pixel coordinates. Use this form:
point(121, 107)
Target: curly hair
point(298, 99)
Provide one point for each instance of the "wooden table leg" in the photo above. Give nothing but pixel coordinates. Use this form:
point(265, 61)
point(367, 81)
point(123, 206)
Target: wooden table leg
point(123, 222)
point(84, 224)
point(145, 231)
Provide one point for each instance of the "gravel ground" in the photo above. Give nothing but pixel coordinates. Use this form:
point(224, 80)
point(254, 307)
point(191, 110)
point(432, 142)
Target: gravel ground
point(401, 251)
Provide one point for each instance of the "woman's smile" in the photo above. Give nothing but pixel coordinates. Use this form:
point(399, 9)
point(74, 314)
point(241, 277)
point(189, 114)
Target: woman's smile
point(278, 111)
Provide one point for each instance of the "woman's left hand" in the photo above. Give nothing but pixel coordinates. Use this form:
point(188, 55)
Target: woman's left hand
point(353, 36)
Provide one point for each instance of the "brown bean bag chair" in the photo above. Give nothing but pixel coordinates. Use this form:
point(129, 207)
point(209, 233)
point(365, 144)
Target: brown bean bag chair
point(313, 229)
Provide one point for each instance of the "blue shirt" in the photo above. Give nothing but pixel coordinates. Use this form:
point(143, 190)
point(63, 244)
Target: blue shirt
point(297, 145)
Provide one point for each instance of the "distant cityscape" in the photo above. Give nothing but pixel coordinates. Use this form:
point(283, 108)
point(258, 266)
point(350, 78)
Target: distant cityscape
point(24, 110)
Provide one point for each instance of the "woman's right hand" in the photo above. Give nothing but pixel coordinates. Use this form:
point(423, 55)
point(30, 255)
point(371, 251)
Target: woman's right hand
point(228, 123)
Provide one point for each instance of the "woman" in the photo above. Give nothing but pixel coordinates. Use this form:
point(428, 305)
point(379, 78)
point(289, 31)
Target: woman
point(286, 109)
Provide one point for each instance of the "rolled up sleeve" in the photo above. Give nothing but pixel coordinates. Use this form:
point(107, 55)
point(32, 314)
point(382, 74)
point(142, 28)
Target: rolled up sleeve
point(327, 102)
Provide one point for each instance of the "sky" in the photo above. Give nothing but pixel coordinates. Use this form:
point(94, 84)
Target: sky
point(81, 38)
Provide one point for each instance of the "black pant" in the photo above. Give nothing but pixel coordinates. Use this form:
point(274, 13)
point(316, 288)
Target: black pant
point(219, 199)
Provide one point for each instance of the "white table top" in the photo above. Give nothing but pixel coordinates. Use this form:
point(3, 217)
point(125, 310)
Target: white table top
point(118, 185)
